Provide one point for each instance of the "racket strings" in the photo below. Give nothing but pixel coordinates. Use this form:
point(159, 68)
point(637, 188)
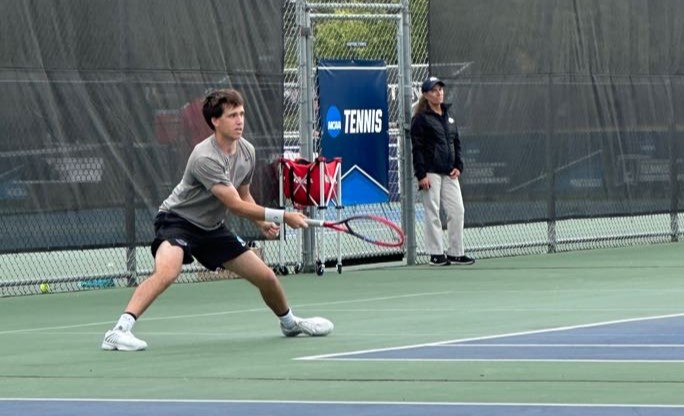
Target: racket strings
point(374, 230)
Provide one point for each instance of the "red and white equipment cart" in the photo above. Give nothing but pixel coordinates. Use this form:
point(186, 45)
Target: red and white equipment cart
point(305, 184)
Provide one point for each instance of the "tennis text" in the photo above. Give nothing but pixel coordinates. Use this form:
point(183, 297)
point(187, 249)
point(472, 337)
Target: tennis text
point(362, 121)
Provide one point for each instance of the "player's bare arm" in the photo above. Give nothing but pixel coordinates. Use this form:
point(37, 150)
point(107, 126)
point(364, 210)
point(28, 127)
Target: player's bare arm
point(230, 197)
point(268, 228)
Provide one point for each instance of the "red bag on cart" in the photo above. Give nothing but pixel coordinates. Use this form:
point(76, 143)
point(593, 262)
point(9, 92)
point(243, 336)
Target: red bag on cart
point(302, 181)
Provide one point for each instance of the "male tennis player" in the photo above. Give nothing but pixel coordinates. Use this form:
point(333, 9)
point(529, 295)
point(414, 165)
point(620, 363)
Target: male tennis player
point(190, 223)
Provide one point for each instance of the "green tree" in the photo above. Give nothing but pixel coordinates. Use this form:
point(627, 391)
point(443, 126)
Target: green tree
point(335, 38)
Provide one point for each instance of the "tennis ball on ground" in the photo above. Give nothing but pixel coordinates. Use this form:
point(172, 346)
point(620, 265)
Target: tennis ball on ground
point(44, 288)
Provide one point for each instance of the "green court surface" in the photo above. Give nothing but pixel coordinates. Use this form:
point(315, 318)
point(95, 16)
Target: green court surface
point(217, 341)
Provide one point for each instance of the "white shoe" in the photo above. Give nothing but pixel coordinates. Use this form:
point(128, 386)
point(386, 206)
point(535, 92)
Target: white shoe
point(315, 327)
point(117, 339)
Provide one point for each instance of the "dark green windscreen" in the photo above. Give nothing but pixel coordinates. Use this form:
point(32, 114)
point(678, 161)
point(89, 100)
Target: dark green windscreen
point(566, 108)
point(100, 105)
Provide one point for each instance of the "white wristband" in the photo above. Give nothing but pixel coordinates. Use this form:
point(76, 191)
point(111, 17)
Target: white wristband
point(274, 215)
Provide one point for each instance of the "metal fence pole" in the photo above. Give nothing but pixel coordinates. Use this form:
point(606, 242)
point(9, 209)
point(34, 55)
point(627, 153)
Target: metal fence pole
point(408, 206)
point(306, 116)
point(674, 166)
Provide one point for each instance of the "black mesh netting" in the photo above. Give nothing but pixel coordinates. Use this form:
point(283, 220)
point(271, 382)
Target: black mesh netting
point(567, 108)
point(101, 104)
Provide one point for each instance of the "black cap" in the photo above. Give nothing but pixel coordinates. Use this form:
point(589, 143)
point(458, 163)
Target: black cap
point(430, 83)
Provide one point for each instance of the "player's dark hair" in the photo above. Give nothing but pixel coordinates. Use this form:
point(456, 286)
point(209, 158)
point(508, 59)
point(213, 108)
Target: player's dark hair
point(219, 100)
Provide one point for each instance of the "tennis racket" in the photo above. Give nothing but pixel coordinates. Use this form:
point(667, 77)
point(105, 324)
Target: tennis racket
point(370, 228)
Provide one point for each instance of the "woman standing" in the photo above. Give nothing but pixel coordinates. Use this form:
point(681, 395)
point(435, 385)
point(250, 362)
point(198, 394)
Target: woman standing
point(437, 165)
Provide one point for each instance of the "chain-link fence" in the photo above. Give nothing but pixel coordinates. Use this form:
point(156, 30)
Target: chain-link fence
point(100, 106)
point(347, 29)
point(571, 131)
point(351, 30)
point(340, 29)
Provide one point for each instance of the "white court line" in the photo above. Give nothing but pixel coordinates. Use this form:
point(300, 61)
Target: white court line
point(441, 343)
point(201, 315)
point(564, 346)
point(365, 403)
point(501, 360)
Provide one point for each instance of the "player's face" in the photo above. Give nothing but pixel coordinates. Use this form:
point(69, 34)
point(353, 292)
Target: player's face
point(231, 123)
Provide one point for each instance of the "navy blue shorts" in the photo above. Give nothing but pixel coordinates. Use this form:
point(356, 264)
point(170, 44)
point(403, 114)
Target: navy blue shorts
point(211, 248)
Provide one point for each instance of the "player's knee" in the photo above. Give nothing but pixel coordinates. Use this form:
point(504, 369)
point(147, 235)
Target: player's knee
point(268, 279)
point(264, 278)
point(271, 278)
point(164, 276)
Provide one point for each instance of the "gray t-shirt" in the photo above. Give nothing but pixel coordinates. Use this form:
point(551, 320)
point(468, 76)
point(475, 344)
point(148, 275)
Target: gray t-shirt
point(207, 166)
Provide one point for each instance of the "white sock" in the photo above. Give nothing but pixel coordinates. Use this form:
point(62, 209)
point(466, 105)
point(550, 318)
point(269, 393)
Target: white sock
point(288, 320)
point(126, 322)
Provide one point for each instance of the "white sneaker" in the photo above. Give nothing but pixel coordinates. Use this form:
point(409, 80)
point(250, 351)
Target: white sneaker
point(290, 332)
point(315, 327)
point(117, 339)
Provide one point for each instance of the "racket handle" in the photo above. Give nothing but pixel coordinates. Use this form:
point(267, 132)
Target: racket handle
point(314, 223)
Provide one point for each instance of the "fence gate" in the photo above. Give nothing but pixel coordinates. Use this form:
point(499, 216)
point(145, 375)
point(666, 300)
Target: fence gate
point(321, 29)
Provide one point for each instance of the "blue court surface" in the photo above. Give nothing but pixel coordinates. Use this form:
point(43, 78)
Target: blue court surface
point(651, 339)
point(257, 408)
point(644, 339)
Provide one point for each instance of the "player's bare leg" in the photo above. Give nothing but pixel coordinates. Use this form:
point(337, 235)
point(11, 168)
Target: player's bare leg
point(249, 266)
point(167, 266)
point(168, 262)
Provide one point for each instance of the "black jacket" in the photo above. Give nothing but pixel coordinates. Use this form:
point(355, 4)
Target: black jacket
point(436, 145)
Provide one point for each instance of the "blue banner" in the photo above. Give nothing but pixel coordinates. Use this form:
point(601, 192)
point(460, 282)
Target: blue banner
point(354, 126)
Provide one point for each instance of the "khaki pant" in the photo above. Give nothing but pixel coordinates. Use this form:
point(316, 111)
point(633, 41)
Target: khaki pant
point(446, 191)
